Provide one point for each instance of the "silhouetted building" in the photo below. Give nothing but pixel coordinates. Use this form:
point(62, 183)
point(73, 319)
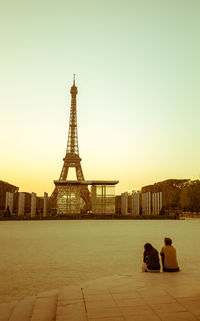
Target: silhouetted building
point(6, 187)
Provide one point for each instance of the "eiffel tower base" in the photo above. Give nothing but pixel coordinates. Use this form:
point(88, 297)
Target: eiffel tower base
point(70, 198)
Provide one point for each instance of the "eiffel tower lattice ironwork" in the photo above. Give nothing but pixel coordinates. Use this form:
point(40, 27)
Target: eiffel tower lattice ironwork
point(72, 159)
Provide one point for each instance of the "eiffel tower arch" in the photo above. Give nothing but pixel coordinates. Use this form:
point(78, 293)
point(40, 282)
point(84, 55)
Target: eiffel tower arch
point(73, 160)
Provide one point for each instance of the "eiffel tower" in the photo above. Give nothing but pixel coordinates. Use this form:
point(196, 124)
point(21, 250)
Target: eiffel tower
point(72, 159)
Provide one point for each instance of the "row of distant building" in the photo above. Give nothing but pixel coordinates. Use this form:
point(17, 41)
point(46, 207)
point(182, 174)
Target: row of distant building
point(148, 201)
point(18, 203)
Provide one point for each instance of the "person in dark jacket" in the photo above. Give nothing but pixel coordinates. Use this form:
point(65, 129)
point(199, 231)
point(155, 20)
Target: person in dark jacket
point(151, 259)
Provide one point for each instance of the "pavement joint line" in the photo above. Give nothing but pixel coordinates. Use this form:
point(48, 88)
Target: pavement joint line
point(122, 315)
point(154, 311)
point(84, 302)
point(33, 307)
point(56, 306)
point(194, 315)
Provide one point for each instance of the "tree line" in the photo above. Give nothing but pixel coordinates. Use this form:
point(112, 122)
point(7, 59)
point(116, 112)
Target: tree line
point(183, 194)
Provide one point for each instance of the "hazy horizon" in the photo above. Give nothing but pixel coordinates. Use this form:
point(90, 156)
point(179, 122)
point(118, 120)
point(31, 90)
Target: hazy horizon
point(137, 72)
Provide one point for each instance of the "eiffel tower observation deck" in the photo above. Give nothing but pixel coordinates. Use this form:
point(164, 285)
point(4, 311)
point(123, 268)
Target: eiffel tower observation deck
point(73, 196)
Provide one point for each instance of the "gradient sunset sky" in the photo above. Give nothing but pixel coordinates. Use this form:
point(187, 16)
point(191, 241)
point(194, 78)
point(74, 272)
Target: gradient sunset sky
point(137, 66)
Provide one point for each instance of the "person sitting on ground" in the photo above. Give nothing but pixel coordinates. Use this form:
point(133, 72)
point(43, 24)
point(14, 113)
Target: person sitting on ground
point(168, 256)
point(150, 259)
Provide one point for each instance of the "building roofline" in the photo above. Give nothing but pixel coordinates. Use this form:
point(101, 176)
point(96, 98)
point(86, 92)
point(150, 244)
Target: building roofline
point(88, 182)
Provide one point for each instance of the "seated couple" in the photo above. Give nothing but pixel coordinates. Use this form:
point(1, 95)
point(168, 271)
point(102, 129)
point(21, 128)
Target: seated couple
point(168, 257)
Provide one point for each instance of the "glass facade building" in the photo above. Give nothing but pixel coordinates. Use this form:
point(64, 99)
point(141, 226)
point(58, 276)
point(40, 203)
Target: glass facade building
point(70, 202)
point(103, 199)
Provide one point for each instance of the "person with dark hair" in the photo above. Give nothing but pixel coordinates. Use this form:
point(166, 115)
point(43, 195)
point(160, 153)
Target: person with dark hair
point(150, 259)
point(168, 257)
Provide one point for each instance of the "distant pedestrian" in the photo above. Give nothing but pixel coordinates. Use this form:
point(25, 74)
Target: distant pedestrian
point(168, 256)
point(150, 259)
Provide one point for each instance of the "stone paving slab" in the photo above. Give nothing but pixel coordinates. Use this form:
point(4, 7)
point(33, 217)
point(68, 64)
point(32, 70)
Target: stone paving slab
point(139, 296)
point(71, 305)
point(44, 309)
point(23, 310)
point(6, 310)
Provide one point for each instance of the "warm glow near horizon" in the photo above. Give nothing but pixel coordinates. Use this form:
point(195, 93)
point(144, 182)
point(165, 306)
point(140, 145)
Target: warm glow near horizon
point(137, 72)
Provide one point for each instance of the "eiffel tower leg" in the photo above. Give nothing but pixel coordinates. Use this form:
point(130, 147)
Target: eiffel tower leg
point(79, 173)
point(85, 195)
point(64, 173)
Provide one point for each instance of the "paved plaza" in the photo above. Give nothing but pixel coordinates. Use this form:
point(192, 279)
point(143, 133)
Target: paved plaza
point(139, 296)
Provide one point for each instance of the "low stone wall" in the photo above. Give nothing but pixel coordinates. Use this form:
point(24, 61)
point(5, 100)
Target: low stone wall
point(90, 217)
